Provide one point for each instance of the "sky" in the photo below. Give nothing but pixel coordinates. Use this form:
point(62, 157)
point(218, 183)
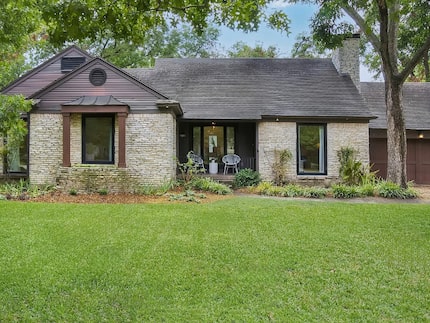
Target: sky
point(299, 14)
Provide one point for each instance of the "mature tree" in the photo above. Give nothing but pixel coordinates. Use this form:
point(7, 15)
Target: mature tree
point(130, 20)
point(18, 20)
point(305, 47)
point(159, 42)
point(241, 49)
point(412, 32)
point(382, 24)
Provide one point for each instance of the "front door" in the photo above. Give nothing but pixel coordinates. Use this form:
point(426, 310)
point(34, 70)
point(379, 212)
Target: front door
point(213, 142)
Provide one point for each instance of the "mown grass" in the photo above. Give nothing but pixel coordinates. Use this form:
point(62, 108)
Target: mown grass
point(241, 259)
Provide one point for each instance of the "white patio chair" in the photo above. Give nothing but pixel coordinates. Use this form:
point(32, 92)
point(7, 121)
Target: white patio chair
point(231, 161)
point(197, 160)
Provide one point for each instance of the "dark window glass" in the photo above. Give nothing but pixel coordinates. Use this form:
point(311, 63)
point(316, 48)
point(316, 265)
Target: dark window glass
point(311, 149)
point(98, 140)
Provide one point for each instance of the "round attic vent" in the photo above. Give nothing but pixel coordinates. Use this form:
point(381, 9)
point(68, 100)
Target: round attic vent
point(98, 77)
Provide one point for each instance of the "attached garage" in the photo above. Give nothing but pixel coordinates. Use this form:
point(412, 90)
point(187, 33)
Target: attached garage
point(418, 162)
point(416, 107)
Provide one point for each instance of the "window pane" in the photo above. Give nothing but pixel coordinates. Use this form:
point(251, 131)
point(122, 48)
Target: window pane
point(230, 140)
point(98, 140)
point(311, 154)
point(197, 144)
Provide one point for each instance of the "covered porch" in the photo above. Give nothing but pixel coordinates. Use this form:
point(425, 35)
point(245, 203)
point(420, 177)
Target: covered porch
point(211, 140)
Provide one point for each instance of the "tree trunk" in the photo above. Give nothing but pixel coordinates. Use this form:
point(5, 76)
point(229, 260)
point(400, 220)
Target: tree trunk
point(426, 67)
point(396, 133)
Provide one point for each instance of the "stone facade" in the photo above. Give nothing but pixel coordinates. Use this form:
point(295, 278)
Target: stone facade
point(346, 59)
point(273, 136)
point(150, 154)
point(45, 147)
point(355, 135)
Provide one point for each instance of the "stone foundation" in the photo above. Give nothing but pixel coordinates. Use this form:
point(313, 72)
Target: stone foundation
point(89, 179)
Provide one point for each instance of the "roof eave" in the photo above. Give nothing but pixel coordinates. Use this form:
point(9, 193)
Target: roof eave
point(170, 105)
point(319, 118)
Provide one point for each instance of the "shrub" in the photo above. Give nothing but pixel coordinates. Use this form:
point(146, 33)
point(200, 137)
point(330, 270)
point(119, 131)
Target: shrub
point(351, 170)
point(275, 191)
point(367, 189)
point(315, 192)
point(345, 191)
point(279, 167)
point(103, 191)
point(23, 190)
point(190, 168)
point(391, 190)
point(263, 188)
point(187, 196)
point(293, 190)
point(246, 177)
point(154, 189)
point(209, 185)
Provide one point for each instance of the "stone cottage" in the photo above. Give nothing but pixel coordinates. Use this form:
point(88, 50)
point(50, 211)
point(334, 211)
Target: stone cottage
point(94, 125)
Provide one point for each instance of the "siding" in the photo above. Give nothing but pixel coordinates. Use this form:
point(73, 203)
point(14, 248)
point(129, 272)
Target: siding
point(42, 76)
point(123, 89)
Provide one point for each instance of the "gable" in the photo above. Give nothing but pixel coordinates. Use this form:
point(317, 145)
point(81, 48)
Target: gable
point(48, 72)
point(94, 79)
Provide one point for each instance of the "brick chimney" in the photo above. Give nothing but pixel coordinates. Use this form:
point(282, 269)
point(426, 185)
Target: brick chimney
point(346, 59)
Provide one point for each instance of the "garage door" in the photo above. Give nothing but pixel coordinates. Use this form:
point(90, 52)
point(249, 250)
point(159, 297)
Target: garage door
point(418, 164)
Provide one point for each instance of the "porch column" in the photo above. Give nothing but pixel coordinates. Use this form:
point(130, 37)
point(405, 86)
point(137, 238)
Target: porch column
point(66, 140)
point(121, 139)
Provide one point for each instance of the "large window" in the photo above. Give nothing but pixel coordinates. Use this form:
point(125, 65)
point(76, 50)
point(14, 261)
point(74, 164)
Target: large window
point(98, 139)
point(311, 149)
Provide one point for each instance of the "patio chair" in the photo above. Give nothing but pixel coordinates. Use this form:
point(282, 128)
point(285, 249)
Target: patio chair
point(197, 160)
point(231, 161)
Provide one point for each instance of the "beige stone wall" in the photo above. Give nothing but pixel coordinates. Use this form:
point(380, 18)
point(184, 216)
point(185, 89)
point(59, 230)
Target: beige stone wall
point(355, 135)
point(274, 136)
point(151, 147)
point(283, 135)
point(76, 138)
point(150, 154)
point(45, 147)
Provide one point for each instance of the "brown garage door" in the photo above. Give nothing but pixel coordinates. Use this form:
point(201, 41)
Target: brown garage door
point(418, 166)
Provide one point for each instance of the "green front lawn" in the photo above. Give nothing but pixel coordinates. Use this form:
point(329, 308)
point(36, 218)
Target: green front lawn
point(241, 259)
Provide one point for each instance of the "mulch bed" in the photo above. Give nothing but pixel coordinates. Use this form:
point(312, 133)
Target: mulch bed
point(172, 197)
point(122, 198)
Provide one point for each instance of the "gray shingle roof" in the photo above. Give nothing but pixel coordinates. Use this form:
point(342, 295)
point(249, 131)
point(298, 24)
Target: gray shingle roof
point(251, 88)
point(416, 104)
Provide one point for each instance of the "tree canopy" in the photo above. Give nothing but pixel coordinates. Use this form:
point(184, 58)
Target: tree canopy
point(241, 49)
point(130, 20)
